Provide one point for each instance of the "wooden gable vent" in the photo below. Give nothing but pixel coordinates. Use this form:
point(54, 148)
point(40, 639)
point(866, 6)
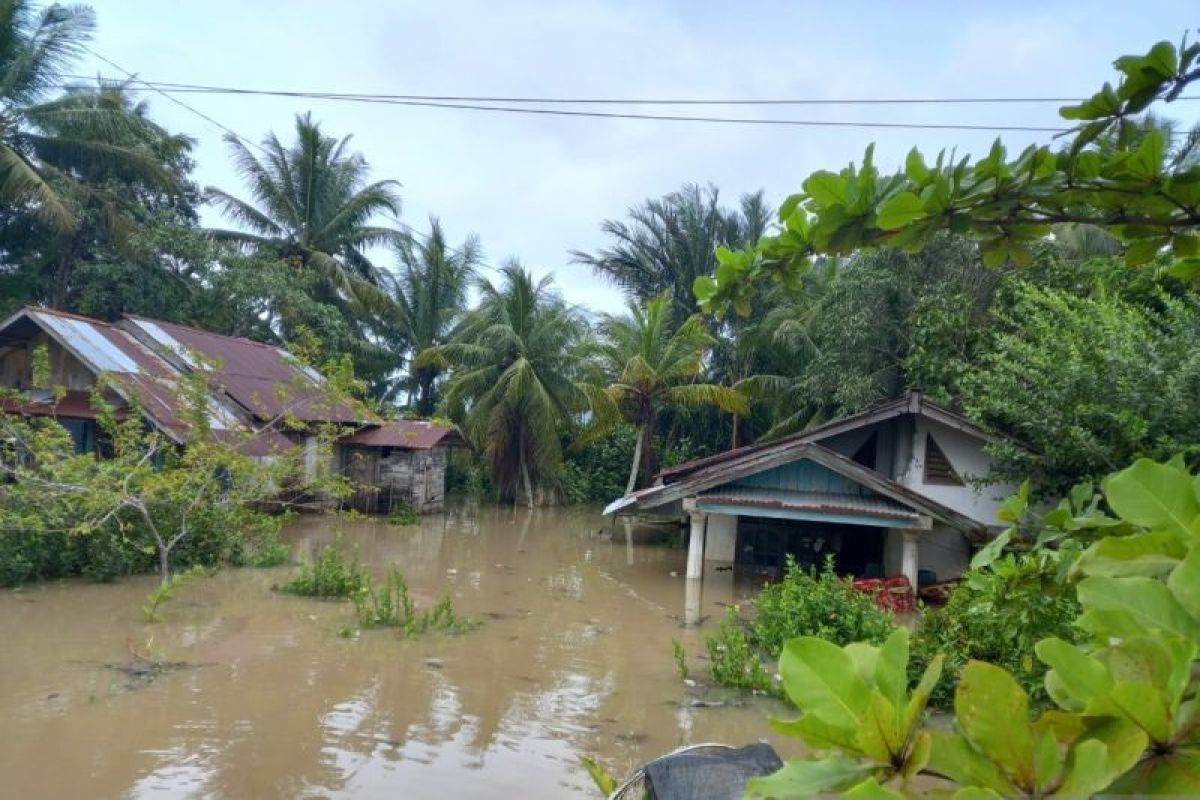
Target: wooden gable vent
point(937, 467)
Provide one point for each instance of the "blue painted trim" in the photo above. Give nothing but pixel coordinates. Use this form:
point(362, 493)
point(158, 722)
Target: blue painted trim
point(808, 516)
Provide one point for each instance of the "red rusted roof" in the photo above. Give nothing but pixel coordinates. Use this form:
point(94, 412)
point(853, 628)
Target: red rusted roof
point(413, 434)
point(74, 404)
point(265, 380)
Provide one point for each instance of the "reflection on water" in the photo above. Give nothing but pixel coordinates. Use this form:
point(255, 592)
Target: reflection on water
point(574, 657)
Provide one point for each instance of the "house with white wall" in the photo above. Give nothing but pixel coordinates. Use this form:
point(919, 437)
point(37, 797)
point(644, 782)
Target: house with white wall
point(899, 489)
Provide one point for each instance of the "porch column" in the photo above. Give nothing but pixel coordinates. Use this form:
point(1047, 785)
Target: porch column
point(693, 594)
point(910, 556)
point(695, 561)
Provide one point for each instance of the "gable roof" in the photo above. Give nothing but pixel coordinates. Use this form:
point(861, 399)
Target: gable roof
point(748, 461)
point(135, 372)
point(911, 402)
point(251, 373)
point(410, 434)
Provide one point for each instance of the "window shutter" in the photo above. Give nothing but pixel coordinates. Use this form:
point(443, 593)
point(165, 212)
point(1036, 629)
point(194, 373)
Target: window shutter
point(937, 467)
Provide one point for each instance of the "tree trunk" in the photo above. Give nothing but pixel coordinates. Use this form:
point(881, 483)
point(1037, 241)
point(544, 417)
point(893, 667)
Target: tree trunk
point(164, 562)
point(425, 395)
point(526, 481)
point(637, 461)
point(733, 439)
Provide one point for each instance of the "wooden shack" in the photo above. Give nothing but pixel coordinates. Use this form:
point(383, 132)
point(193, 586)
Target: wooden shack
point(399, 464)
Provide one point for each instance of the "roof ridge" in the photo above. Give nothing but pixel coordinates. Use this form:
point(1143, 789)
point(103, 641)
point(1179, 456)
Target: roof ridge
point(206, 332)
point(69, 315)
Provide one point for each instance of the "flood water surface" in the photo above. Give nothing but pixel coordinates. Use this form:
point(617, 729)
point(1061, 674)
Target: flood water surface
point(274, 696)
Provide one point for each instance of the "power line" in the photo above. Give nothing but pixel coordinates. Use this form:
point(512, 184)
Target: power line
point(131, 76)
point(210, 89)
point(162, 89)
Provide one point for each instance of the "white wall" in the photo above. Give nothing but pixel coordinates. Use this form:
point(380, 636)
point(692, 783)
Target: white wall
point(720, 543)
point(942, 550)
point(966, 455)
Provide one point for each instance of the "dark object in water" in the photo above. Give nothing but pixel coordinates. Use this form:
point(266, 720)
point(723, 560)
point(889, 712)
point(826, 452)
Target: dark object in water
point(711, 771)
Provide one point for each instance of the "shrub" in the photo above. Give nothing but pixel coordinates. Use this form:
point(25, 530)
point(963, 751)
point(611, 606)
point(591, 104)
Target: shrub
point(403, 515)
point(998, 615)
point(733, 660)
point(822, 604)
point(390, 605)
point(329, 575)
point(804, 603)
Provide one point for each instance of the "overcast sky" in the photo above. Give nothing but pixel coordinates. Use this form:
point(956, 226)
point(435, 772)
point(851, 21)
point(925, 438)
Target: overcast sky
point(536, 187)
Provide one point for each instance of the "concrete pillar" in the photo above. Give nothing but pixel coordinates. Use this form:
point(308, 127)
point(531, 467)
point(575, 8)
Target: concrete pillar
point(695, 561)
point(910, 556)
point(692, 601)
point(720, 540)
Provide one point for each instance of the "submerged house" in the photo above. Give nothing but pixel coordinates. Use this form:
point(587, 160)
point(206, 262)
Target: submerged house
point(258, 389)
point(887, 492)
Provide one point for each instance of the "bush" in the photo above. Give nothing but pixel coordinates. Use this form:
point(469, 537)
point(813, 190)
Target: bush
point(390, 605)
point(403, 515)
point(804, 603)
point(998, 615)
point(330, 575)
point(733, 660)
point(599, 471)
point(822, 604)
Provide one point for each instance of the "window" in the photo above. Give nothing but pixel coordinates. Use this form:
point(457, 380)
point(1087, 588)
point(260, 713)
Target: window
point(937, 467)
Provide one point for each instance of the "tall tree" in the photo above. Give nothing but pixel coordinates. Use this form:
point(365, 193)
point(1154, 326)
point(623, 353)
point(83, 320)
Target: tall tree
point(653, 366)
point(513, 363)
point(45, 143)
point(668, 242)
point(430, 293)
point(314, 208)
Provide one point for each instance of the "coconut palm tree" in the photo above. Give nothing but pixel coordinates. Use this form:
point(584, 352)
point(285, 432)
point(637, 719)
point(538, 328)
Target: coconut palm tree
point(512, 363)
point(312, 204)
point(671, 241)
point(48, 146)
point(654, 367)
point(430, 292)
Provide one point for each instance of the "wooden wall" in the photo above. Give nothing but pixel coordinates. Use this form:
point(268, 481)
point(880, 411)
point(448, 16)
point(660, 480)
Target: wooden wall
point(416, 478)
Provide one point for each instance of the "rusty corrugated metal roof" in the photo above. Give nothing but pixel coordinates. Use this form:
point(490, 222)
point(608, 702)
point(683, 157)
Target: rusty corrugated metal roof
point(818, 502)
point(265, 380)
point(75, 404)
point(139, 375)
point(414, 434)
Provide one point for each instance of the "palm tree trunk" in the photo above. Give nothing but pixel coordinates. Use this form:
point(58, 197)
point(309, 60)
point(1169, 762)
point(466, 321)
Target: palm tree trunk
point(733, 439)
point(637, 460)
point(524, 469)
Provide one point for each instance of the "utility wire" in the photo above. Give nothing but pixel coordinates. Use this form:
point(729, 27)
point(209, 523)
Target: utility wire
point(162, 88)
point(210, 89)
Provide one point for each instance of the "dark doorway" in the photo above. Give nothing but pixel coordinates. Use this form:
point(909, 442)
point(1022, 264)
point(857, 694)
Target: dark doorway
point(764, 544)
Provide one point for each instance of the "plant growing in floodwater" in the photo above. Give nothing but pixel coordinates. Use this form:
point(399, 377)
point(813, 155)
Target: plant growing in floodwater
point(403, 515)
point(390, 605)
point(329, 575)
point(681, 665)
point(165, 591)
point(804, 603)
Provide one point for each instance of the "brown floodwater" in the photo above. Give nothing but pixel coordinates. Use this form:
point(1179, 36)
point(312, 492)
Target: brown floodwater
point(272, 700)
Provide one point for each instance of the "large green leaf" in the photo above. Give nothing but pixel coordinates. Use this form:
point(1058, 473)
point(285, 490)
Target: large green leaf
point(993, 712)
point(808, 778)
point(1132, 606)
point(1153, 554)
point(1088, 770)
point(1184, 583)
point(821, 679)
point(870, 789)
point(1154, 495)
point(953, 757)
point(899, 210)
point(891, 668)
point(1080, 675)
point(878, 737)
